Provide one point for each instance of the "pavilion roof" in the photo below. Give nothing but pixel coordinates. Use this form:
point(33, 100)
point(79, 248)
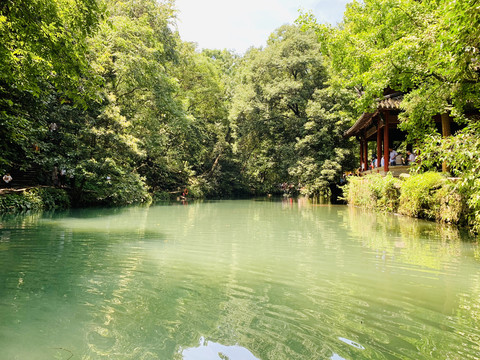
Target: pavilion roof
point(389, 102)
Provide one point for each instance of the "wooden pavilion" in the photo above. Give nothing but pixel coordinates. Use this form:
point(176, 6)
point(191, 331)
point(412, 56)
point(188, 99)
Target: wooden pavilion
point(381, 126)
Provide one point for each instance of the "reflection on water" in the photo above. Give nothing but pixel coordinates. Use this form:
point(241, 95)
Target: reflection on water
point(250, 279)
point(213, 351)
point(352, 343)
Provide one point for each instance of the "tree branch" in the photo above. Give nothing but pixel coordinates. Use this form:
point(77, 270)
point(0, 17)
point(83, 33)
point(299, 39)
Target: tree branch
point(131, 92)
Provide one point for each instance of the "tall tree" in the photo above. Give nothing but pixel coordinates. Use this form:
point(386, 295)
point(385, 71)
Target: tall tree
point(43, 51)
point(426, 48)
point(107, 145)
point(45, 41)
point(270, 101)
point(323, 154)
point(203, 90)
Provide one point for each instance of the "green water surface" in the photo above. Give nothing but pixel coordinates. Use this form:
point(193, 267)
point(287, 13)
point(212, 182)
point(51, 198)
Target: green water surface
point(237, 280)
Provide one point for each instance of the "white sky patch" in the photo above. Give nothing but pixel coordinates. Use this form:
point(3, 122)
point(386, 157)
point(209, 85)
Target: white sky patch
point(238, 25)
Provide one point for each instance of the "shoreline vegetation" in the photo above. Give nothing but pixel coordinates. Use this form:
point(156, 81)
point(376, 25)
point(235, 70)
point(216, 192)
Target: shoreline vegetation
point(431, 196)
point(110, 103)
point(36, 198)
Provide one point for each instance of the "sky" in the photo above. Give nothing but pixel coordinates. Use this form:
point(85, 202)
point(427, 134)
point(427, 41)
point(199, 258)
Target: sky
point(239, 24)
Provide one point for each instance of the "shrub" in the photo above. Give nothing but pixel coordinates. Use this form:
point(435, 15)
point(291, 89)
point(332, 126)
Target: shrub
point(469, 188)
point(110, 185)
point(450, 204)
point(373, 192)
point(51, 198)
point(429, 195)
point(389, 192)
point(35, 199)
point(161, 196)
point(418, 195)
point(357, 192)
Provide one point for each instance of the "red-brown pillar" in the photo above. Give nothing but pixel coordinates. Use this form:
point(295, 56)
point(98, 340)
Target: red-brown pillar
point(386, 145)
point(446, 132)
point(379, 145)
point(365, 153)
point(361, 153)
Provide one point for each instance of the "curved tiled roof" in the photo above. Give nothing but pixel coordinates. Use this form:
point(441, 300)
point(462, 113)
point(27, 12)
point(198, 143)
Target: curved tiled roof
point(389, 102)
point(360, 124)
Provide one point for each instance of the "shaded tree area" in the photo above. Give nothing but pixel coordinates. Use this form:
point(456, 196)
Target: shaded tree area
point(115, 98)
point(288, 125)
point(107, 90)
point(128, 112)
point(430, 51)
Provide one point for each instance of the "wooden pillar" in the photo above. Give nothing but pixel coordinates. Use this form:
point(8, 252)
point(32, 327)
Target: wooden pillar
point(446, 125)
point(446, 131)
point(379, 145)
point(361, 153)
point(385, 144)
point(365, 153)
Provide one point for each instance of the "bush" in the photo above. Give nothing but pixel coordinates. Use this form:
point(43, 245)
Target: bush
point(357, 192)
point(161, 196)
point(418, 196)
point(373, 192)
point(35, 199)
point(108, 184)
point(469, 188)
point(52, 198)
point(388, 193)
point(451, 205)
point(429, 195)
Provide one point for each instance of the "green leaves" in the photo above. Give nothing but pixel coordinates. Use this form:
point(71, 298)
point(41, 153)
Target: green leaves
point(461, 153)
point(270, 101)
point(426, 48)
point(45, 41)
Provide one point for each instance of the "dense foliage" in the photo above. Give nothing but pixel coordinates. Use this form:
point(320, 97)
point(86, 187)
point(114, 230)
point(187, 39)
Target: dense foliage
point(462, 153)
point(107, 91)
point(283, 112)
point(131, 111)
point(35, 199)
point(430, 51)
point(429, 196)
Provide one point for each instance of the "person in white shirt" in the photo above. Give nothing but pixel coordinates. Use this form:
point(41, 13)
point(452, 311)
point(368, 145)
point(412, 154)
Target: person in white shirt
point(411, 157)
point(392, 156)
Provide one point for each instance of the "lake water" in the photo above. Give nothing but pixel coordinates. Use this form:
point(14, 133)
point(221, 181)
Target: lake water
point(236, 280)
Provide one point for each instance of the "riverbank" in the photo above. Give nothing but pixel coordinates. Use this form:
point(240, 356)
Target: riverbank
point(430, 196)
point(13, 200)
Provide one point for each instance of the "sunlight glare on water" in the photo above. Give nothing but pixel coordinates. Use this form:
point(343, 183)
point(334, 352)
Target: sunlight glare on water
point(241, 279)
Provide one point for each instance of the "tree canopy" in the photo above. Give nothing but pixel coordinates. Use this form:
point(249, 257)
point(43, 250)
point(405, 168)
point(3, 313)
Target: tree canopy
point(428, 50)
point(107, 90)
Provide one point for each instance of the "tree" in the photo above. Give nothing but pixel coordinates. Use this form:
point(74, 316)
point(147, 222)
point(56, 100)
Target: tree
point(44, 41)
point(204, 91)
point(135, 52)
point(427, 49)
point(323, 153)
point(270, 102)
point(105, 145)
point(43, 51)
